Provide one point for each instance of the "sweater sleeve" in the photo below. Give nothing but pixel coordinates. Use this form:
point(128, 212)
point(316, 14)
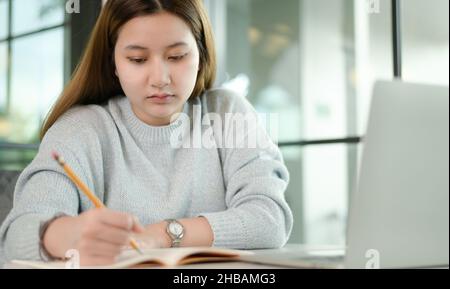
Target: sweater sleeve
point(42, 192)
point(256, 178)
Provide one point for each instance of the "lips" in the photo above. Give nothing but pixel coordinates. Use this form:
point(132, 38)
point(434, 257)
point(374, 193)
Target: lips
point(161, 98)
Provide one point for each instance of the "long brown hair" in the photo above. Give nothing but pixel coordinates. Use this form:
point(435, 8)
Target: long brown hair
point(94, 80)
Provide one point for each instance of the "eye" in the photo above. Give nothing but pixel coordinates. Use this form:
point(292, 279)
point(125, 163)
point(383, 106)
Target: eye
point(137, 60)
point(177, 57)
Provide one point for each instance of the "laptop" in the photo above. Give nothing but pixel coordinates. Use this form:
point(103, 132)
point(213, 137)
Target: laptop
point(399, 211)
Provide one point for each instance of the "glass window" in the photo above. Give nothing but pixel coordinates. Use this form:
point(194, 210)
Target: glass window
point(314, 63)
point(325, 202)
point(262, 58)
point(294, 194)
point(15, 159)
point(34, 15)
point(373, 56)
point(36, 81)
point(326, 55)
point(30, 92)
point(3, 79)
point(3, 19)
point(320, 207)
point(31, 73)
point(425, 41)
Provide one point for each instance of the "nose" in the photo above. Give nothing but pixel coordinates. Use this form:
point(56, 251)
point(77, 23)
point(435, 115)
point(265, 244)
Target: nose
point(159, 76)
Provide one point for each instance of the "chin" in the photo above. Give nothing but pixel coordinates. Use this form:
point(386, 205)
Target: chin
point(162, 115)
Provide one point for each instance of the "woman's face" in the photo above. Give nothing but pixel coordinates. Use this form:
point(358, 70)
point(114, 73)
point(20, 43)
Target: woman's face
point(157, 61)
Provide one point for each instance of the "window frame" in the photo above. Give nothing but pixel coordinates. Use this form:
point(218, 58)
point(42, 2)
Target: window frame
point(74, 39)
point(77, 28)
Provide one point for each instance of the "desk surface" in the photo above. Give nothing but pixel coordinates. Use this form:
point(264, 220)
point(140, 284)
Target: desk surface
point(288, 249)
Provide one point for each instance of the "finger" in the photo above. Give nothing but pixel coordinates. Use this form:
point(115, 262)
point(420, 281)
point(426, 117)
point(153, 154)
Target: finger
point(147, 241)
point(137, 226)
point(113, 235)
point(118, 219)
point(102, 249)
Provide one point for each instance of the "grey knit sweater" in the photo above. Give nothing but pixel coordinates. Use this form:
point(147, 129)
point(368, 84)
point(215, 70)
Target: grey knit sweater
point(134, 167)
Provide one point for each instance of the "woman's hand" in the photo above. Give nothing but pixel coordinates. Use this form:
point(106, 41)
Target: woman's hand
point(153, 236)
point(99, 235)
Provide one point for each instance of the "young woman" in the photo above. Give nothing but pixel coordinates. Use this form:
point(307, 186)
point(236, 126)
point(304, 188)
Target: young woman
point(147, 62)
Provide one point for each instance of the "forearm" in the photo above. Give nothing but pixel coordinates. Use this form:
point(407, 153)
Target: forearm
point(197, 232)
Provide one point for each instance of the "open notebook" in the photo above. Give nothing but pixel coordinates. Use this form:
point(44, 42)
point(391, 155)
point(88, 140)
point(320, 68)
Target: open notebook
point(154, 257)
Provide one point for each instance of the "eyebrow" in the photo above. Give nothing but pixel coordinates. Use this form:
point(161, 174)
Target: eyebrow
point(138, 47)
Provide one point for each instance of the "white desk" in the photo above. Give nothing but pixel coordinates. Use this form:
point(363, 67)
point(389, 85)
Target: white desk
point(288, 249)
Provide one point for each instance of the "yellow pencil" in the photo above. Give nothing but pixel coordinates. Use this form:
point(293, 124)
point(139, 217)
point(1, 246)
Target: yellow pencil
point(82, 186)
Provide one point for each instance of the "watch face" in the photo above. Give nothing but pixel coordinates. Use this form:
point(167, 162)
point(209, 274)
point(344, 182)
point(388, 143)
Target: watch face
point(175, 229)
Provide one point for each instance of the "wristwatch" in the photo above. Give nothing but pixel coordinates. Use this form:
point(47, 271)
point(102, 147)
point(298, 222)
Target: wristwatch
point(175, 231)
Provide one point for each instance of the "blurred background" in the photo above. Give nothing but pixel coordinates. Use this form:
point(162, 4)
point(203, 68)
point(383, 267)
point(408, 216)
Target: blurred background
point(313, 62)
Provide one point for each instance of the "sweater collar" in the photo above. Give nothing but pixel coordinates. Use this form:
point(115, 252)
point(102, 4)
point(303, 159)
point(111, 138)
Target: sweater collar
point(142, 132)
